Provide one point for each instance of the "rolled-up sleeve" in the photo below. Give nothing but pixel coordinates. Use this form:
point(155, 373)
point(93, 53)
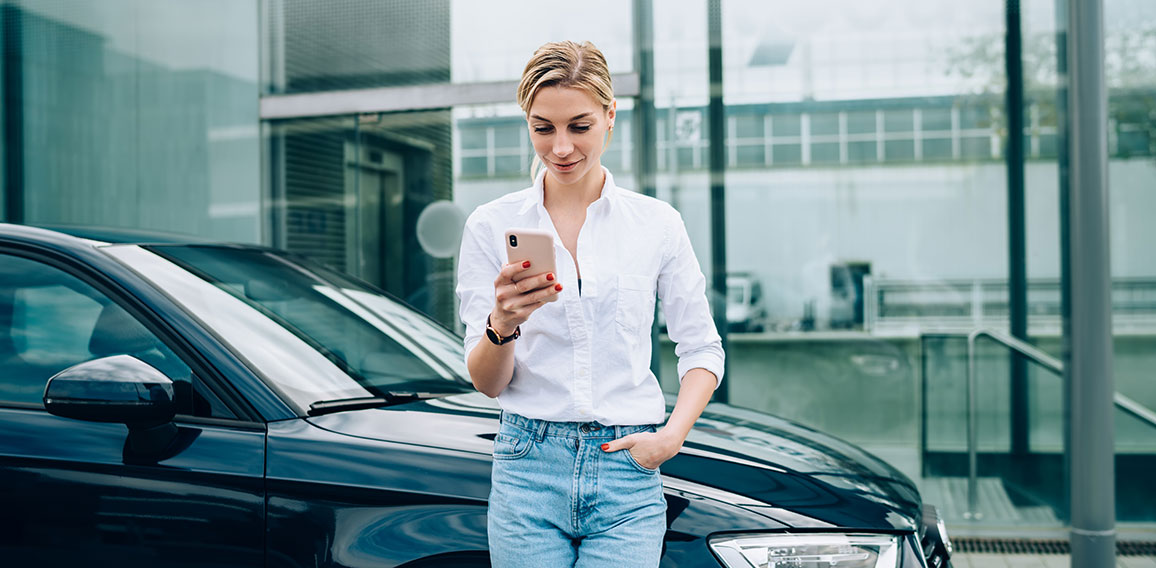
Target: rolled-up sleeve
point(682, 289)
point(478, 267)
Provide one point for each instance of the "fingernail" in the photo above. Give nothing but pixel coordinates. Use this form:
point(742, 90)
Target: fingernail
point(605, 447)
point(558, 287)
point(550, 277)
point(526, 264)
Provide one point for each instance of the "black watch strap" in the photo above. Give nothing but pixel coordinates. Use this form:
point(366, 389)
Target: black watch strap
point(496, 338)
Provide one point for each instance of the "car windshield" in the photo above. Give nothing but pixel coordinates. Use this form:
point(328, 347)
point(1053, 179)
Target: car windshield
point(315, 334)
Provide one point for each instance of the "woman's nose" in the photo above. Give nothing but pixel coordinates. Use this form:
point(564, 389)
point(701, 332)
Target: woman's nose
point(562, 145)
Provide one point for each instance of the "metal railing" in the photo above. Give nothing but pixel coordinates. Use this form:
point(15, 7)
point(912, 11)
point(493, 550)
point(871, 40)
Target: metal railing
point(983, 303)
point(1044, 360)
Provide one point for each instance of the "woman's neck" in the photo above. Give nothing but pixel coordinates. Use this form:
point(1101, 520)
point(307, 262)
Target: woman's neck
point(575, 196)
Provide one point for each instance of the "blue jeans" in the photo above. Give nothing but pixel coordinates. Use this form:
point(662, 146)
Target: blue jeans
point(558, 500)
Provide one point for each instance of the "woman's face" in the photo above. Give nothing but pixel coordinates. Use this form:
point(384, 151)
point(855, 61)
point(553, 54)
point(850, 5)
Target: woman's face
point(567, 128)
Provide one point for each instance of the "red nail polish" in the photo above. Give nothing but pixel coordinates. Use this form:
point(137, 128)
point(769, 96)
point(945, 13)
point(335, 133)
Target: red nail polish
point(605, 447)
point(550, 277)
point(558, 287)
point(526, 264)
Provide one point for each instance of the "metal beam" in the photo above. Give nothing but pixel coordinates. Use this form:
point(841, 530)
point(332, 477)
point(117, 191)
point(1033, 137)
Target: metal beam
point(1064, 192)
point(1017, 221)
point(414, 97)
point(644, 134)
point(643, 130)
point(716, 124)
point(1092, 386)
point(12, 85)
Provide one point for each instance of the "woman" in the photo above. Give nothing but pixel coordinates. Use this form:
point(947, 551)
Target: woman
point(575, 479)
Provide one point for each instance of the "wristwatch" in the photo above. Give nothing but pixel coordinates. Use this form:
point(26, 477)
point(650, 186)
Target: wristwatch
point(496, 338)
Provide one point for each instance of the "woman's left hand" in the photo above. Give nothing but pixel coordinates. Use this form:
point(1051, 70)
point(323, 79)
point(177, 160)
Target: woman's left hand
point(649, 449)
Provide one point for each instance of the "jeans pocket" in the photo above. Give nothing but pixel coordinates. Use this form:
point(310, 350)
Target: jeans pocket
point(512, 443)
point(638, 466)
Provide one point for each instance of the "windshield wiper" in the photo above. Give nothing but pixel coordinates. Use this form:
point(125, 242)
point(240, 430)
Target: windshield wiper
point(390, 398)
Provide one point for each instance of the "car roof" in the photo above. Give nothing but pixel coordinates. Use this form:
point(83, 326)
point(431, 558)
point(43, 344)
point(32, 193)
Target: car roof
point(120, 235)
point(86, 239)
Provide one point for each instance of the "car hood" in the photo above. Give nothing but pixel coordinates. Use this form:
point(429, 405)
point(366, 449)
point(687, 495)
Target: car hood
point(792, 474)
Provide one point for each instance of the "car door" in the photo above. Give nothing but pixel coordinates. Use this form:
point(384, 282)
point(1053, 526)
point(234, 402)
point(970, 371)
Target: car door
point(74, 492)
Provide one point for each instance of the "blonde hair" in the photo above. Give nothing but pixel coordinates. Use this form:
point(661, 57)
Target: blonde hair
point(566, 64)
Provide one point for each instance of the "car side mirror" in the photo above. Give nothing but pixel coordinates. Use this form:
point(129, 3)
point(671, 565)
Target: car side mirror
point(120, 388)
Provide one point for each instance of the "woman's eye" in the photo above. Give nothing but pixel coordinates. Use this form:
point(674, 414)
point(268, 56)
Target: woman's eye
point(542, 130)
point(580, 128)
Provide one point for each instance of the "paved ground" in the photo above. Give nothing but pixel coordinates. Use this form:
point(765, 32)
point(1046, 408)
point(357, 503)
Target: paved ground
point(1002, 519)
point(1039, 561)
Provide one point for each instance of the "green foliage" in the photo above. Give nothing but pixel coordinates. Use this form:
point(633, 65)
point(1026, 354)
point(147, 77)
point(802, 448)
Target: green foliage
point(1129, 72)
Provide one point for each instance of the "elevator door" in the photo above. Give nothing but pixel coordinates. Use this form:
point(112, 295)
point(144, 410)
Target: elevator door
point(375, 198)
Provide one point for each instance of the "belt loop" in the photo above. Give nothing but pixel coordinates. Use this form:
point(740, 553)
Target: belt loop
point(617, 431)
point(542, 425)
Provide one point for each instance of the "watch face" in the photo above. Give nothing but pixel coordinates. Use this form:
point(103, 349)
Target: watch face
point(496, 339)
point(493, 336)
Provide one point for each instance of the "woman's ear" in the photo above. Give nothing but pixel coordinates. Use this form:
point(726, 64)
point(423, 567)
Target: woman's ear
point(610, 113)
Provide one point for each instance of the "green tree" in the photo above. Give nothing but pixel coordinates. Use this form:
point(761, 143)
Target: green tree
point(1129, 69)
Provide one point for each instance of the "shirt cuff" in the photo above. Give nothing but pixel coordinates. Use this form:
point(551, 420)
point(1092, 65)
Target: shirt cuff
point(709, 361)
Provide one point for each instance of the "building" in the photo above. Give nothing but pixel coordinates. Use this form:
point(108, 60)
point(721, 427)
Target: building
point(866, 169)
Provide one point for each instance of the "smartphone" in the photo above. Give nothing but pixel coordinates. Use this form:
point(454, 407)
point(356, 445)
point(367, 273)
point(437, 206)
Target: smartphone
point(532, 245)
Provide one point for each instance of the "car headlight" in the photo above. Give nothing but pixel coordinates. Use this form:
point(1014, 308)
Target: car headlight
point(808, 550)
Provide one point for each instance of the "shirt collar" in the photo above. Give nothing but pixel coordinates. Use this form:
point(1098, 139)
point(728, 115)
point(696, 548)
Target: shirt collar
point(536, 196)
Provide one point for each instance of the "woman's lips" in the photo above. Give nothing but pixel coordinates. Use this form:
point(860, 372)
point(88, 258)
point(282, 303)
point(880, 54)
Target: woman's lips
point(566, 167)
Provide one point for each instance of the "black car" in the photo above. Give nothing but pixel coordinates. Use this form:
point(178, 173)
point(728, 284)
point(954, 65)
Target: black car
point(170, 403)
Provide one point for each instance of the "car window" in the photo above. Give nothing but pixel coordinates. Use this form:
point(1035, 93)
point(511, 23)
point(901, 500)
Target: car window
point(312, 335)
point(50, 320)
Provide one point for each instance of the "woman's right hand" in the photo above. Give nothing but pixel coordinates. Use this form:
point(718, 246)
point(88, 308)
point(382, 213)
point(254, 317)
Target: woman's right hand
point(515, 301)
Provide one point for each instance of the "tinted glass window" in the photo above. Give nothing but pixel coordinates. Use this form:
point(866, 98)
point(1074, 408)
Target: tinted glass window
point(825, 124)
point(787, 154)
point(509, 135)
point(750, 155)
point(785, 125)
point(936, 119)
point(50, 320)
point(861, 122)
point(825, 152)
point(899, 120)
point(748, 126)
point(473, 138)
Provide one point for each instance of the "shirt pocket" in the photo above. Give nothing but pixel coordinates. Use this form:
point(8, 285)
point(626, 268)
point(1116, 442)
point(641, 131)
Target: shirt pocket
point(635, 308)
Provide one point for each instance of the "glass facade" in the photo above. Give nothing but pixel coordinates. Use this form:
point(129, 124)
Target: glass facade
point(1130, 58)
point(523, 25)
point(133, 113)
point(350, 192)
point(354, 44)
point(866, 182)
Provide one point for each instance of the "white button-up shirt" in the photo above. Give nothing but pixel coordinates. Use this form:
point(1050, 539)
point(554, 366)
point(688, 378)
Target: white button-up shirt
point(586, 356)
